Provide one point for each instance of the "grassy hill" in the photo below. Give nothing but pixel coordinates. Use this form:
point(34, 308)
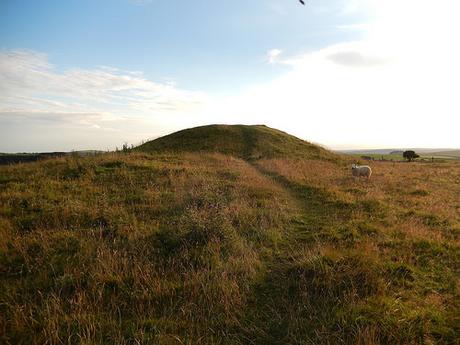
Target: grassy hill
point(249, 142)
point(175, 247)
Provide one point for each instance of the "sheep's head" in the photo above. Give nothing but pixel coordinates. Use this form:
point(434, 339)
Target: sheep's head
point(353, 166)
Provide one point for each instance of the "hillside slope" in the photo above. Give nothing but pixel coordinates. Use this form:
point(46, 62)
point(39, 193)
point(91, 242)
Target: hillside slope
point(449, 153)
point(205, 248)
point(248, 142)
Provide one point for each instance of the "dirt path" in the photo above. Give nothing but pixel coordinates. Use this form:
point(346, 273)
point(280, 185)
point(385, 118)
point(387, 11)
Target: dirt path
point(267, 318)
point(316, 210)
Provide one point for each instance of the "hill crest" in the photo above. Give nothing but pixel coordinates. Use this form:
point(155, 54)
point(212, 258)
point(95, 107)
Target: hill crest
point(243, 141)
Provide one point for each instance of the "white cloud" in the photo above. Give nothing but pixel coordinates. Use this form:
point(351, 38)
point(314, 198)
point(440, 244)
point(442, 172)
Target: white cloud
point(25, 73)
point(404, 93)
point(353, 27)
point(30, 86)
point(273, 56)
point(356, 59)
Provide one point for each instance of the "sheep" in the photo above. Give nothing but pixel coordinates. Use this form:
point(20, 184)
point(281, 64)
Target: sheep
point(361, 170)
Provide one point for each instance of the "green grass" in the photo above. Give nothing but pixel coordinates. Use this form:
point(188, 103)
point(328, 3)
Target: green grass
point(394, 157)
point(207, 248)
point(248, 142)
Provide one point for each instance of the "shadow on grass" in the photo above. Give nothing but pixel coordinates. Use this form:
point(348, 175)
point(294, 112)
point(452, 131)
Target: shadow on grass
point(272, 317)
point(317, 209)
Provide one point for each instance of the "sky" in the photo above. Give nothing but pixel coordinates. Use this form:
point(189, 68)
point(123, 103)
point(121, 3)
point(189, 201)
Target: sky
point(346, 74)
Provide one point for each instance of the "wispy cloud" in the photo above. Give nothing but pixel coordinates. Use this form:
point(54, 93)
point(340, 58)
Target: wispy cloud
point(31, 86)
point(395, 87)
point(350, 54)
point(43, 108)
point(273, 56)
point(354, 27)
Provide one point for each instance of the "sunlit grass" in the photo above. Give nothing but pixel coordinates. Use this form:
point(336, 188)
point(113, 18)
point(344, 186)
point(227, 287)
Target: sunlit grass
point(205, 248)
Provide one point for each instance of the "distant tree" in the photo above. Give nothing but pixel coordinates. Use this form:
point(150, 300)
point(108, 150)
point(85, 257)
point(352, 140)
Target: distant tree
point(410, 155)
point(125, 148)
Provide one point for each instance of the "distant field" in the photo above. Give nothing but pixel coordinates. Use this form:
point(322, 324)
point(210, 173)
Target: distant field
point(13, 158)
point(380, 156)
point(451, 154)
point(396, 157)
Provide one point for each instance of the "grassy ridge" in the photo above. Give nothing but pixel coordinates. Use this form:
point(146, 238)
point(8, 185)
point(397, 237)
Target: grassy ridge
point(248, 142)
point(206, 248)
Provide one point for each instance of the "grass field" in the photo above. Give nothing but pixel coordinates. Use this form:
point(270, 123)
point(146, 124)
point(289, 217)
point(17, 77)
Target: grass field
point(207, 248)
point(450, 153)
point(434, 157)
point(388, 157)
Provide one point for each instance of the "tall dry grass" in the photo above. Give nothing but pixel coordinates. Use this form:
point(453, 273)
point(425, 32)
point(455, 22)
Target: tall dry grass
point(403, 225)
point(210, 249)
point(124, 249)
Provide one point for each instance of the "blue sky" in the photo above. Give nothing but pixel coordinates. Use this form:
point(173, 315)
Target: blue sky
point(202, 44)
point(95, 73)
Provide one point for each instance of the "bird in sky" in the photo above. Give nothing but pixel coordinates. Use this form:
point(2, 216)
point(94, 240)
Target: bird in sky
point(302, 2)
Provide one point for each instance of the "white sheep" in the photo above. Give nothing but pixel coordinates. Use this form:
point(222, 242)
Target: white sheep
point(361, 170)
